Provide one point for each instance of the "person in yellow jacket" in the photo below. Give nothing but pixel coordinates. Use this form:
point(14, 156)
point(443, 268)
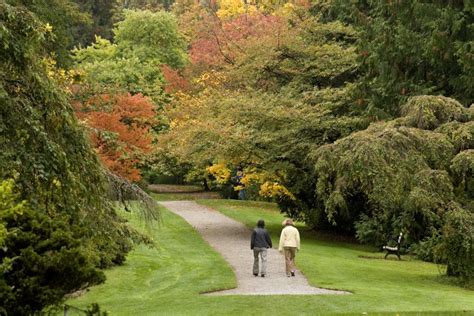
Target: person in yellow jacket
point(289, 244)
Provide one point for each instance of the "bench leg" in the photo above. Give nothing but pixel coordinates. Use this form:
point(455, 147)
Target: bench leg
point(398, 255)
point(386, 255)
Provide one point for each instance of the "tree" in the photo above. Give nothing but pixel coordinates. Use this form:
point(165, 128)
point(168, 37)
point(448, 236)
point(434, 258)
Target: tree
point(101, 13)
point(410, 48)
point(245, 108)
point(147, 47)
point(401, 175)
point(55, 171)
point(143, 42)
point(120, 130)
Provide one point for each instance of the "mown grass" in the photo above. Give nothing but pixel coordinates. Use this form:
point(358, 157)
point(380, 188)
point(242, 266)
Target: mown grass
point(168, 280)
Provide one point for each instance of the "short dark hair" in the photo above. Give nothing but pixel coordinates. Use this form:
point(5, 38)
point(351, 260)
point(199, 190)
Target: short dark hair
point(261, 223)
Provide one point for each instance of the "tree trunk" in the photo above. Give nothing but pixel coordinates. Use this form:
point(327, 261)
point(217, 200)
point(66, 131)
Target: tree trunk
point(205, 185)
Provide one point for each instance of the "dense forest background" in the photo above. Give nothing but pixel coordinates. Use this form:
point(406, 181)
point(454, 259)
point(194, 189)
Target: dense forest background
point(355, 117)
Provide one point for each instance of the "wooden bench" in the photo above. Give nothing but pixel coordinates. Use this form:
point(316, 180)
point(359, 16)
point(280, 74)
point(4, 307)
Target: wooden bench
point(394, 250)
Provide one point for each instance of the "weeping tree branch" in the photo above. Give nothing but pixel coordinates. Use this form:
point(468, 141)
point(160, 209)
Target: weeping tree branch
point(123, 191)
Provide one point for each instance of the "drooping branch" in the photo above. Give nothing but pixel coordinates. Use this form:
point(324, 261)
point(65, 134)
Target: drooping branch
point(124, 191)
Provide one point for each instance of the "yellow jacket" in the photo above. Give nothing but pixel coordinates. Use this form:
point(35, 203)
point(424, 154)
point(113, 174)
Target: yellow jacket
point(290, 237)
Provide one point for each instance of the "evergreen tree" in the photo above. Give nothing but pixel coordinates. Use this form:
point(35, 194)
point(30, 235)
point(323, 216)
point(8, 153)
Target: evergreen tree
point(410, 48)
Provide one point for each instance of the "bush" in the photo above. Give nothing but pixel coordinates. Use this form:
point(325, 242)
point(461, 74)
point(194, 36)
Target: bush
point(457, 246)
point(41, 261)
point(426, 249)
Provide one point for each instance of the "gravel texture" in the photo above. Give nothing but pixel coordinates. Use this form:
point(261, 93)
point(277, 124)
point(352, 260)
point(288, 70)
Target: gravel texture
point(232, 239)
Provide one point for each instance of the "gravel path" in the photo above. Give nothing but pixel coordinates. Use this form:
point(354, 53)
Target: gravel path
point(232, 240)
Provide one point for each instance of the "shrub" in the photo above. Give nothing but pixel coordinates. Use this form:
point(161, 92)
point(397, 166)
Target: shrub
point(41, 261)
point(457, 246)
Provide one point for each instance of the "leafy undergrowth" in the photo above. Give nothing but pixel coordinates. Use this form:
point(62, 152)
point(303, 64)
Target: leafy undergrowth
point(168, 280)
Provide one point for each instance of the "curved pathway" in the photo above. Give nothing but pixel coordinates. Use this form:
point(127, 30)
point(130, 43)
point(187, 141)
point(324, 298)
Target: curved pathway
point(232, 240)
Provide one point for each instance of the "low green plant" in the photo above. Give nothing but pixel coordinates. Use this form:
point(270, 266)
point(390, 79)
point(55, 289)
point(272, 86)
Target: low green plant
point(41, 260)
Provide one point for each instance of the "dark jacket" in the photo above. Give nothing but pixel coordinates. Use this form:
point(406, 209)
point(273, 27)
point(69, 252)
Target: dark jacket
point(260, 239)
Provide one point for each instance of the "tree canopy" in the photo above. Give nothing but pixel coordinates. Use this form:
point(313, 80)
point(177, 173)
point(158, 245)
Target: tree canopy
point(143, 42)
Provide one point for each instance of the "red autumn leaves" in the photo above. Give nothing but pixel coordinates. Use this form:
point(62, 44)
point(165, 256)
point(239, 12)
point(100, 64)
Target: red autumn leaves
point(120, 130)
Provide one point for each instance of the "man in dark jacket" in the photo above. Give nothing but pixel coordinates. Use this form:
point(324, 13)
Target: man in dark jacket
point(259, 243)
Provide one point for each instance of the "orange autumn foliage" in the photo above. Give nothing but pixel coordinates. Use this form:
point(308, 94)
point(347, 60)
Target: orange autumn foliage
point(174, 80)
point(217, 41)
point(120, 130)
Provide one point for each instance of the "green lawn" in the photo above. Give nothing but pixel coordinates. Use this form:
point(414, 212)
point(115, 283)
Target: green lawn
point(168, 280)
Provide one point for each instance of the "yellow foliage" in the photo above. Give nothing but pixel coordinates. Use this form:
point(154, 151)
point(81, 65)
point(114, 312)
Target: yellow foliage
point(234, 8)
point(210, 79)
point(48, 28)
point(268, 187)
point(239, 187)
point(65, 78)
point(220, 172)
point(251, 178)
point(286, 10)
point(274, 189)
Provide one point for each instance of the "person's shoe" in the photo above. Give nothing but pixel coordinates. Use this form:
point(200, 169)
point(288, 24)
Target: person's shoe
point(255, 274)
point(263, 275)
point(288, 275)
point(292, 273)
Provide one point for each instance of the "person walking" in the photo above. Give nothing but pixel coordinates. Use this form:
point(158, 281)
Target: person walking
point(289, 244)
point(259, 243)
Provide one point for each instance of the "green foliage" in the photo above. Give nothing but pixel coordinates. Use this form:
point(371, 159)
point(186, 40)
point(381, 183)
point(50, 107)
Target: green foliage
point(143, 42)
point(462, 169)
point(151, 35)
point(429, 112)
point(309, 56)
point(9, 208)
point(63, 20)
point(100, 13)
point(377, 168)
point(38, 254)
point(461, 135)
point(457, 247)
point(410, 48)
point(152, 5)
